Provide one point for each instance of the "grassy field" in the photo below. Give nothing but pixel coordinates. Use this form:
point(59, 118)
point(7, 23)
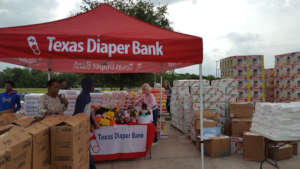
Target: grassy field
point(44, 90)
point(28, 90)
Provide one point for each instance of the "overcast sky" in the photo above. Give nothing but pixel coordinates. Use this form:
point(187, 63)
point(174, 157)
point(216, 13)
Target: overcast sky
point(228, 27)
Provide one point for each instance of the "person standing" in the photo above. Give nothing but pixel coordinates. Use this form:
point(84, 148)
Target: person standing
point(10, 100)
point(149, 100)
point(51, 104)
point(168, 92)
point(83, 105)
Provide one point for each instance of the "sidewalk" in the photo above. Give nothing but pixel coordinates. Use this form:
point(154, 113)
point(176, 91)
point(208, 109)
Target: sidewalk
point(177, 152)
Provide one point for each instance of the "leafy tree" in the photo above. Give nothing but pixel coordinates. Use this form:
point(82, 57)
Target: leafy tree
point(142, 10)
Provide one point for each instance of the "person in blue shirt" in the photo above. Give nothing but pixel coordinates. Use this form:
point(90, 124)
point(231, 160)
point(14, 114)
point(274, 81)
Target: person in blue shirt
point(10, 98)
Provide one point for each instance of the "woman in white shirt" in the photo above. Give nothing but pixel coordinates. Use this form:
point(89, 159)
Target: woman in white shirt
point(51, 103)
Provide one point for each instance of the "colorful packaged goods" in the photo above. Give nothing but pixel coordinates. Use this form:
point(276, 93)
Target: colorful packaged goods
point(286, 80)
point(250, 74)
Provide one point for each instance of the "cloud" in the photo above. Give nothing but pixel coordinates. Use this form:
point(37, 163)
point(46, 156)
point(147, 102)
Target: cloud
point(16, 12)
point(164, 2)
point(244, 43)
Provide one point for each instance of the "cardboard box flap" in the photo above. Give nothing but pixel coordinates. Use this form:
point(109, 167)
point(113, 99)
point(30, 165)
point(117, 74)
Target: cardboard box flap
point(208, 113)
point(76, 120)
point(24, 122)
point(14, 136)
point(51, 121)
point(6, 111)
point(36, 128)
point(5, 128)
point(6, 119)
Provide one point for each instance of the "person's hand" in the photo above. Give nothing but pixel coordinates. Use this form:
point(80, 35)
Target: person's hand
point(63, 100)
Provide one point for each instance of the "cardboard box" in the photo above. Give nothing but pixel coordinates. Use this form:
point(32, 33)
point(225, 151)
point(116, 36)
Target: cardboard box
point(24, 122)
point(70, 143)
point(206, 123)
point(4, 156)
point(208, 114)
point(20, 145)
point(40, 145)
point(239, 110)
point(295, 148)
point(6, 111)
point(281, 152)
point(218, 146)
point(7, 118)
point(239, 126)
point(53, 120)
point(254, 147)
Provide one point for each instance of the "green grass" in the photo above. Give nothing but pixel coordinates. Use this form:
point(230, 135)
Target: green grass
point(44, 90)
point(28, 90)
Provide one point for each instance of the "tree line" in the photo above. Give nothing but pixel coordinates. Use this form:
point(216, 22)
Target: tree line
point(30, 78)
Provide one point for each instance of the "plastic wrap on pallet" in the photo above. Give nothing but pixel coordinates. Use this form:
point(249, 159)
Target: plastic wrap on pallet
point(277, 121)
point(31, 104)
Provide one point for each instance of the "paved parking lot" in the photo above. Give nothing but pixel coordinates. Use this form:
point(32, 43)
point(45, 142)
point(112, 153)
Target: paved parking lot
point(177, 152)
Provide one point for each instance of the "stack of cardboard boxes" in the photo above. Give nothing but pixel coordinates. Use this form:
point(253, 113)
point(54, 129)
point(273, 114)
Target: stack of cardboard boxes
point(249, 71)
point(287, 77)
point(216, 97)
point(269, 80)
point(185, 98)
point(55, 142)
point(240, 117)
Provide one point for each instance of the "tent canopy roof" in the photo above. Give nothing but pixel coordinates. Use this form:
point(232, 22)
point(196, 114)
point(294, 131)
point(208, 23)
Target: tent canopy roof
point(103, 40)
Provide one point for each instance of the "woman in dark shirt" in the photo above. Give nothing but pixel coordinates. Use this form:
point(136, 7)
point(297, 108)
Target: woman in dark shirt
point(168, 92)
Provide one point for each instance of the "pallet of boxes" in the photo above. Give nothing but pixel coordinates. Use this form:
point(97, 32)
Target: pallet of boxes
point(250, 74)
point(287, 77)
point(215, 98)
point(57, 142)
point(244, 142)
point(277, 122)
point(269, 80)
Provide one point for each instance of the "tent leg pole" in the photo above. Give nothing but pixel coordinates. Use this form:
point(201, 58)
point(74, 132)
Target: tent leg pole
point(49, 75)
point(201, 115)
point(160, 111)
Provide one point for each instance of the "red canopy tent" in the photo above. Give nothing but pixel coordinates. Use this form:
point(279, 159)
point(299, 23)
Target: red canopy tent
point(102, 40)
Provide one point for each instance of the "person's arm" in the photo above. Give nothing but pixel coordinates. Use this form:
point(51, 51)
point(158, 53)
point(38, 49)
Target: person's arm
point(42, 109)
point(64, 101)
point(17, 107)
point(153, 102)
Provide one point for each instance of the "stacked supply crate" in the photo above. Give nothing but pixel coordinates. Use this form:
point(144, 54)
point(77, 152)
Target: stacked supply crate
point(228, 87)
point(156, 93)
point(249, 71)
point(31, 105)
point(287, 77)
point(181, 104)
point(269, 80)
